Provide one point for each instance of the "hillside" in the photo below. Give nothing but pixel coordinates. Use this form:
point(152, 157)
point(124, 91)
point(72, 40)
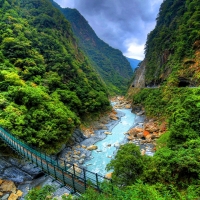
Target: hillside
point(171, 70)
point(47, 84)
point(133, 62)
point(173, 47)
point(112, 66)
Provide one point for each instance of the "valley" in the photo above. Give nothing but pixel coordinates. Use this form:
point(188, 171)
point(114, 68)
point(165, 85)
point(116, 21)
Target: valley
point(61, 90)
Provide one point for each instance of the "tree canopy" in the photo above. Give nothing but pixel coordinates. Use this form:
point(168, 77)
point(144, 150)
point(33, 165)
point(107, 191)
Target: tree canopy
point(47, 84)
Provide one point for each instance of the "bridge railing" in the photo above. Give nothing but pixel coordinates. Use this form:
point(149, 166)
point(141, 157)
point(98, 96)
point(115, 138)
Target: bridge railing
point(69, 174)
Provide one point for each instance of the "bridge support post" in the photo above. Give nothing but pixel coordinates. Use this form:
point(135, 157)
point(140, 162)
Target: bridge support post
point(85, 181)
point(54, 171)
point(65, 165)
point(63, 177)
point(48, 172)
point(97, 182)
point(74, 187)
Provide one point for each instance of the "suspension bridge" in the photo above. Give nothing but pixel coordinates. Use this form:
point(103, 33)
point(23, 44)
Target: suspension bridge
point(75, 178)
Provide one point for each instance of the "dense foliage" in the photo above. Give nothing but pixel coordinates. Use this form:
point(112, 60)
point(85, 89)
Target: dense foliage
point(177, 159)
point(172, 48)
point(112, 66)
point(128, 157)
point(47, 85)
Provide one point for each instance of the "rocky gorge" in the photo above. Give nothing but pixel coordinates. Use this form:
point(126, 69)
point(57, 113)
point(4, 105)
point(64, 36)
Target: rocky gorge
point(26, 175)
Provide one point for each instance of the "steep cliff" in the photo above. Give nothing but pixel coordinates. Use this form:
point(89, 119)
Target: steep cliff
point(173, 47)
point(112, 66)
point(139, 76)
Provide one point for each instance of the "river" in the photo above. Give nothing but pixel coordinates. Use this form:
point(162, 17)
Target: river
point(108, 146)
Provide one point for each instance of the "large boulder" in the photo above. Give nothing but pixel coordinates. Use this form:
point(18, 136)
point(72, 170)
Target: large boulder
point(146, 133)
point(151, 127)
point(135, 131)
point(13, 196)
point(92, 147)
point(8, 186)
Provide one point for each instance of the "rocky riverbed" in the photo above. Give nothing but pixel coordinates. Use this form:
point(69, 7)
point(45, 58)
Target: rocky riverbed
point(79, 150)
point(26, 175)
point(17, 177)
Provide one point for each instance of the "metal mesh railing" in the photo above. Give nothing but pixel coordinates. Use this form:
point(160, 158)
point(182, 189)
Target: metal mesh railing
point(77, 178)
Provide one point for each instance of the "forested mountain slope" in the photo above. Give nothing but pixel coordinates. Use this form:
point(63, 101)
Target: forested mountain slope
point(172, 62)
point(112, 66)
point(47, 85)
point(173, 47)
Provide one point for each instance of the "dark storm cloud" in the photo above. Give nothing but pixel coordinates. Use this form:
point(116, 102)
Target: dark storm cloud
point(120, 23)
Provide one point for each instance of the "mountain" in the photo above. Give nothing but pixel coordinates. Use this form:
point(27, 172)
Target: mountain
point(47, 84)
point(133, 62)
point(165, 86)
point(173, 47)
point(112, 66)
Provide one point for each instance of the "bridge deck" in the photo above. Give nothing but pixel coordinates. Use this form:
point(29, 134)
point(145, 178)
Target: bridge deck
point(75, 178)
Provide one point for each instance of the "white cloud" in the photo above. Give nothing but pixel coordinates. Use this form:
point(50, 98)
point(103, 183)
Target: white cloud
point(134, 50)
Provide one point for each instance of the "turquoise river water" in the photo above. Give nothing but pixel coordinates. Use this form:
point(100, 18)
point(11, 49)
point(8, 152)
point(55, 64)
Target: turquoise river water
point(107, 147)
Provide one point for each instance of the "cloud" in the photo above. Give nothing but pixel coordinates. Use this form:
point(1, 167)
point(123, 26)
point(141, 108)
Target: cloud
point(122, 24)
point(133, 49)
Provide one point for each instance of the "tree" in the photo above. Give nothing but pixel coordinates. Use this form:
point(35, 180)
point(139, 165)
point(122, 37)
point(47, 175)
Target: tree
point(128, 165)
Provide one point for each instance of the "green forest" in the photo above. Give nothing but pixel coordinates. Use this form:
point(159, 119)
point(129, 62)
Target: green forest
point(112, 66)
point(172, 48)
point(47, 84)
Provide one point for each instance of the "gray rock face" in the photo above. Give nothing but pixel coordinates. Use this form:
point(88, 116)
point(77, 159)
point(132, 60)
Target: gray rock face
point(78, 136)
point(139, 81)
point(17, 171)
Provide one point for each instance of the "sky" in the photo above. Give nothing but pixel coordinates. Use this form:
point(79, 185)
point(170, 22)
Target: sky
point(123, 24)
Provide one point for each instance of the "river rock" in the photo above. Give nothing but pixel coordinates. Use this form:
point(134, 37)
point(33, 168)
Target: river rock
point(146, 133)
point(134, 131)
point(143, 151)
point(77, 152)
point(131, 137)
point(140, 135)
point(5, 197)
point(81, 161)
point(113, 117)
point(82, 156)
point(75, 156)
point(148, 138)
point(151, 127)
point(75, 169)
point(116, 144)
point(109, 175)
point(92, 147)
point(8, 186)
point(140, 113)
point(108, 133)
point(128, 106)
point(13, 196)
